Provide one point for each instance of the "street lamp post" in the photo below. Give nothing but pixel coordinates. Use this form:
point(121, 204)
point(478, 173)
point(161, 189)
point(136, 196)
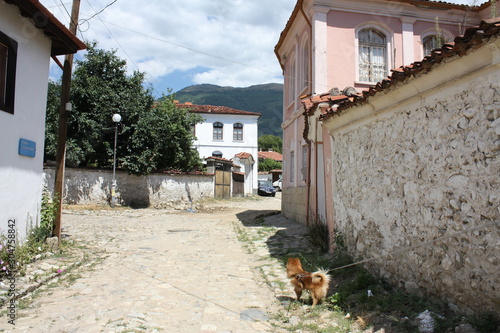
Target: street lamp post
point(116, 119)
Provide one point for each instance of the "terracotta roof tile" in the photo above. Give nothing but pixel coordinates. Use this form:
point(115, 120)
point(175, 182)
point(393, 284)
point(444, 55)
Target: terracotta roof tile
point(244, 155)
point(473, 38)
point(272, 155)
point(217, 159)
point(214, 109)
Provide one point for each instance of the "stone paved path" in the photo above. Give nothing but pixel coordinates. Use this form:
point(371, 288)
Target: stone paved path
point(159, 271)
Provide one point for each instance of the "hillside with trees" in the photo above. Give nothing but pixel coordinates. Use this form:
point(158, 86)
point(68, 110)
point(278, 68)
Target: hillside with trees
point(266, 99)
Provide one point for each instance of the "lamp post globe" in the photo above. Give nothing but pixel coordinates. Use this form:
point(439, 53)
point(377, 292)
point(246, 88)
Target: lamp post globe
point(116, 119)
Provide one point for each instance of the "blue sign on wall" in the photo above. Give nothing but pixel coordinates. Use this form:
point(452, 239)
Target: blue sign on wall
point(27, 148)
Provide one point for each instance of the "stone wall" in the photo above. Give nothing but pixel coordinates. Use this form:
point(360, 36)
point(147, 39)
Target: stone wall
point(423, 177)
point(293, 205)
point(83, 186)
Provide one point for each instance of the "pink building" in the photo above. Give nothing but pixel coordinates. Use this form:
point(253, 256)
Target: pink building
point(328, 46)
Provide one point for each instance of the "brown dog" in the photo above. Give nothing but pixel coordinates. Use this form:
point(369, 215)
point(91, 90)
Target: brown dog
point(317, 283)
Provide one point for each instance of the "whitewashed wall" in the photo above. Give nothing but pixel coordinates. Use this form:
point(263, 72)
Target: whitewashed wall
point(417, 168)
point(21, 176)
point(83, 186)
point(206, 145)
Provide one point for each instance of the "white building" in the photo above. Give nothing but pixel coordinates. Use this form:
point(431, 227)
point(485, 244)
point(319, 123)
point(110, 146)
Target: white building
point(26, 50)
point(231, 134)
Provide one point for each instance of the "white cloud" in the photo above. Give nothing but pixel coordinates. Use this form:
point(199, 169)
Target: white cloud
point(234, 39)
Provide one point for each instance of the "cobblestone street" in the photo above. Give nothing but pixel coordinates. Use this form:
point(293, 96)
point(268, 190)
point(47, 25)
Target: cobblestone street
point(156, 270)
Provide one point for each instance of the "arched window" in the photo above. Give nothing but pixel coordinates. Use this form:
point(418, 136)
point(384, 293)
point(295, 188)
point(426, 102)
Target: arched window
point(218, 126)
point(372, 55)
point(238, 132)
point(430, 43)
point(217, 154)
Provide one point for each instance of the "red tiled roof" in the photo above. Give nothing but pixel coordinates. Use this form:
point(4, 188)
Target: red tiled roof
point(473, 38)
point(63, 41)
point(217, 159)
point(272, 155)
point(214, 109)
point(244, 155)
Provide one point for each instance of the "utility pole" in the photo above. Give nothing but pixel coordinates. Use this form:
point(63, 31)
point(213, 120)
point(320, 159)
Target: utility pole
point(64, 108)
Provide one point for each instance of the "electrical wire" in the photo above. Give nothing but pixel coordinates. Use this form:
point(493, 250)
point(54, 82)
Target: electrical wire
point(191, 49)
point(99, 12)
point(96, 14)
point(116, 40)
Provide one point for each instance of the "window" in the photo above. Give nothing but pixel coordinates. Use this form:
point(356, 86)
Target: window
point(292, 167)
point(218, 131)
point(372, 55)
point(306, 65)
point(290, 82)
point(217, 154)
point(8, 59)
point(431, 43)
point(238, 132)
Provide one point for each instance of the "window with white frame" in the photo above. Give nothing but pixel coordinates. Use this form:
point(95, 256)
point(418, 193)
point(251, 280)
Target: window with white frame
point(8, 60)
point(290, 79)
point(306, 60)
point(372, 57)
point(238, 132)
point(218, 130)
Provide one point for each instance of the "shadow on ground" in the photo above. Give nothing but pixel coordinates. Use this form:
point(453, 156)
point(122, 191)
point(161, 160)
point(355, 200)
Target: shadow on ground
point(289, 239)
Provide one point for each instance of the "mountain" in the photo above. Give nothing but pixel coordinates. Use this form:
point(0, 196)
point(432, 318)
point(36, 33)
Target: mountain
point(266, 99)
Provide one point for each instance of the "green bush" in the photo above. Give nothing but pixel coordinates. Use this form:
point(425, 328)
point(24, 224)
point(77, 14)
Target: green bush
point(35, 241)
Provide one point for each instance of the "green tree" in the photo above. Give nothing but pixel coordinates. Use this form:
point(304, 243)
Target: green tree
point(269, 164)
point(162, 139)
point(101, 87)
point(269, 141)
point(52, 120)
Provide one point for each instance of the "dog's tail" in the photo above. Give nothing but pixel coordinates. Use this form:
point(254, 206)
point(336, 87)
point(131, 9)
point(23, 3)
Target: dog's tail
point(322, 274)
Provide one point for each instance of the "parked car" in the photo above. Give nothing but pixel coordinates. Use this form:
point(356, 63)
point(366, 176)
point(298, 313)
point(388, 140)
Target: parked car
point(278, 185)
point(266, 188)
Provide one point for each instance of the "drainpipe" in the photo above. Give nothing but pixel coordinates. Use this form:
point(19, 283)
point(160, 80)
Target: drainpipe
point(316, 173)
point(306, 115)
point(308, 176)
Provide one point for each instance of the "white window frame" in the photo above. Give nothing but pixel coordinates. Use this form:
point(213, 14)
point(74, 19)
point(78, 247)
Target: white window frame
point(306, 60)
point(237, 132)
point(220, 130)
point(291, 80)
point(389, 39)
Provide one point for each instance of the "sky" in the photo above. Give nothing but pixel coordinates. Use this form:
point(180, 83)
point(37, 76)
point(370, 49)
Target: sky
point(179, 43)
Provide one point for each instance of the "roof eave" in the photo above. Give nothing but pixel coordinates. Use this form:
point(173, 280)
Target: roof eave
point(63, 41)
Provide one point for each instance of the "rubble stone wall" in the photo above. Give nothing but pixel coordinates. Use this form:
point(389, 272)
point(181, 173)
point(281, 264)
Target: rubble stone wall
point(419, 185)
point(84, 187)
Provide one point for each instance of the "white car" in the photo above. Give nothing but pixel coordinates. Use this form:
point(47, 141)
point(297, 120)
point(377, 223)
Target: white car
point(278, 184)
